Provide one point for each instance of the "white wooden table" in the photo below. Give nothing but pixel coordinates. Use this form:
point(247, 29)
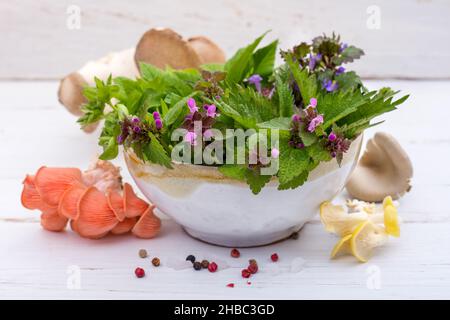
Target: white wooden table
point(34, 263)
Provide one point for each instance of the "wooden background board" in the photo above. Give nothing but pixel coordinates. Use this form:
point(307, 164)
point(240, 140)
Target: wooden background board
point(34, 263)
point(412, 40)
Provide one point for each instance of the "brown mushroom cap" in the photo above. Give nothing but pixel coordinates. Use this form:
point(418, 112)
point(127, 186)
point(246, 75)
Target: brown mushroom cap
point(165, 47)
point(70, 92)
point(208, 51)
point(384, 170)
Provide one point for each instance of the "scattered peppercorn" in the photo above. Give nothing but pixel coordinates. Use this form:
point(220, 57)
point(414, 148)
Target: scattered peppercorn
point(253, 268)
point(205, 264)
point(139, 272)
point(190, 258)
point(230, 285)
point(212, 267)
point(294, 236)
point(274, 257)
point(156, 262)
point(143, 253)
point(235, 253)
point(197, 265)
point(246, 273)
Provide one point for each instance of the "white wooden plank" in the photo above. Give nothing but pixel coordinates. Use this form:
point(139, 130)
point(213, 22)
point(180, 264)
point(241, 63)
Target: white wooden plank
point(410, 42)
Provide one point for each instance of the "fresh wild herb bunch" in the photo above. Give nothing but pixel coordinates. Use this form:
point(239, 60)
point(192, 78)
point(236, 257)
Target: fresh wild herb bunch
point(312, 101)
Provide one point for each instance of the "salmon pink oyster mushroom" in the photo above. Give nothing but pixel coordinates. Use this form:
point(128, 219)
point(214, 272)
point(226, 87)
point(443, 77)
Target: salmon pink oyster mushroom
point(305, 111)
point(95, 202)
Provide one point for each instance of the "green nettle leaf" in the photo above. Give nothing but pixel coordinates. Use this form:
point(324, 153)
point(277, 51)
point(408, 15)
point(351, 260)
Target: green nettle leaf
point(306, 83)
point(373, 106)
point(285, 97)
point(154, 152)
point(292, 162)
point(256, 180)
point(337, 105)
point(264, 59)
point(349, 54)
point(233, 171)
point(108, 137)
point(348, 81)
point(276, 123)
point(318, 152)
point(239, 63)
point(295, 182)
point(178, 111)
point(308, 138)
point(110, 149)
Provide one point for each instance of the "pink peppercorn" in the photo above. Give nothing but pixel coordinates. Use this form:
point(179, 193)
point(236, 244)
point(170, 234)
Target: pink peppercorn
point(274, 257)
point(246, 273)
point(212, 267)
point(139, 272)
point(253, 268)
point(235, 253)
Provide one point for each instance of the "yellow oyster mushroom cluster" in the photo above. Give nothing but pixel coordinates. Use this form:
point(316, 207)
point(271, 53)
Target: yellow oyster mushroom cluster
point(362, 226)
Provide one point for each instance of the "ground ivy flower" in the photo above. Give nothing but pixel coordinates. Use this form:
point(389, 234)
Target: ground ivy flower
point(329, 85)
point(313, 102)
point(191, 137)
point(256, 81)
point(313, 59)
point(192, 105)
point(343, 47)
point(340, 70)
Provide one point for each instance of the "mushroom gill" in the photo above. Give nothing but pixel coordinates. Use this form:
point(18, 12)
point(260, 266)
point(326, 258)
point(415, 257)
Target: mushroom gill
point(384, 170)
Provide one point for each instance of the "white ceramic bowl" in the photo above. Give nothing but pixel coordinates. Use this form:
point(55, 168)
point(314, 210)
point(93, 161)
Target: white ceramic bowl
point(222, 211)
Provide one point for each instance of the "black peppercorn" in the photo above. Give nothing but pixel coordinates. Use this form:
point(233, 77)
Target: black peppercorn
point(205, 264)
point(156, 262)
point(197, 265)
point(190, 258)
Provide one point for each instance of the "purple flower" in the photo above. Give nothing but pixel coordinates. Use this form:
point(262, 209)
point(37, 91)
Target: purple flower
point(156, 115)
point(343, 47)
point(192, 105)
point(211, 111)
point(256, 81)
point(313, 59)
point(340, 70)
point(313, 102)
point(268, 92)
point(158, 124)
point(120, 139)
point(318, 120)
point(136, 129)
point(135, 120)
point(332, 136)
point(275, 153)
point(296, 118)
point(191, 137)
point(329, 85)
